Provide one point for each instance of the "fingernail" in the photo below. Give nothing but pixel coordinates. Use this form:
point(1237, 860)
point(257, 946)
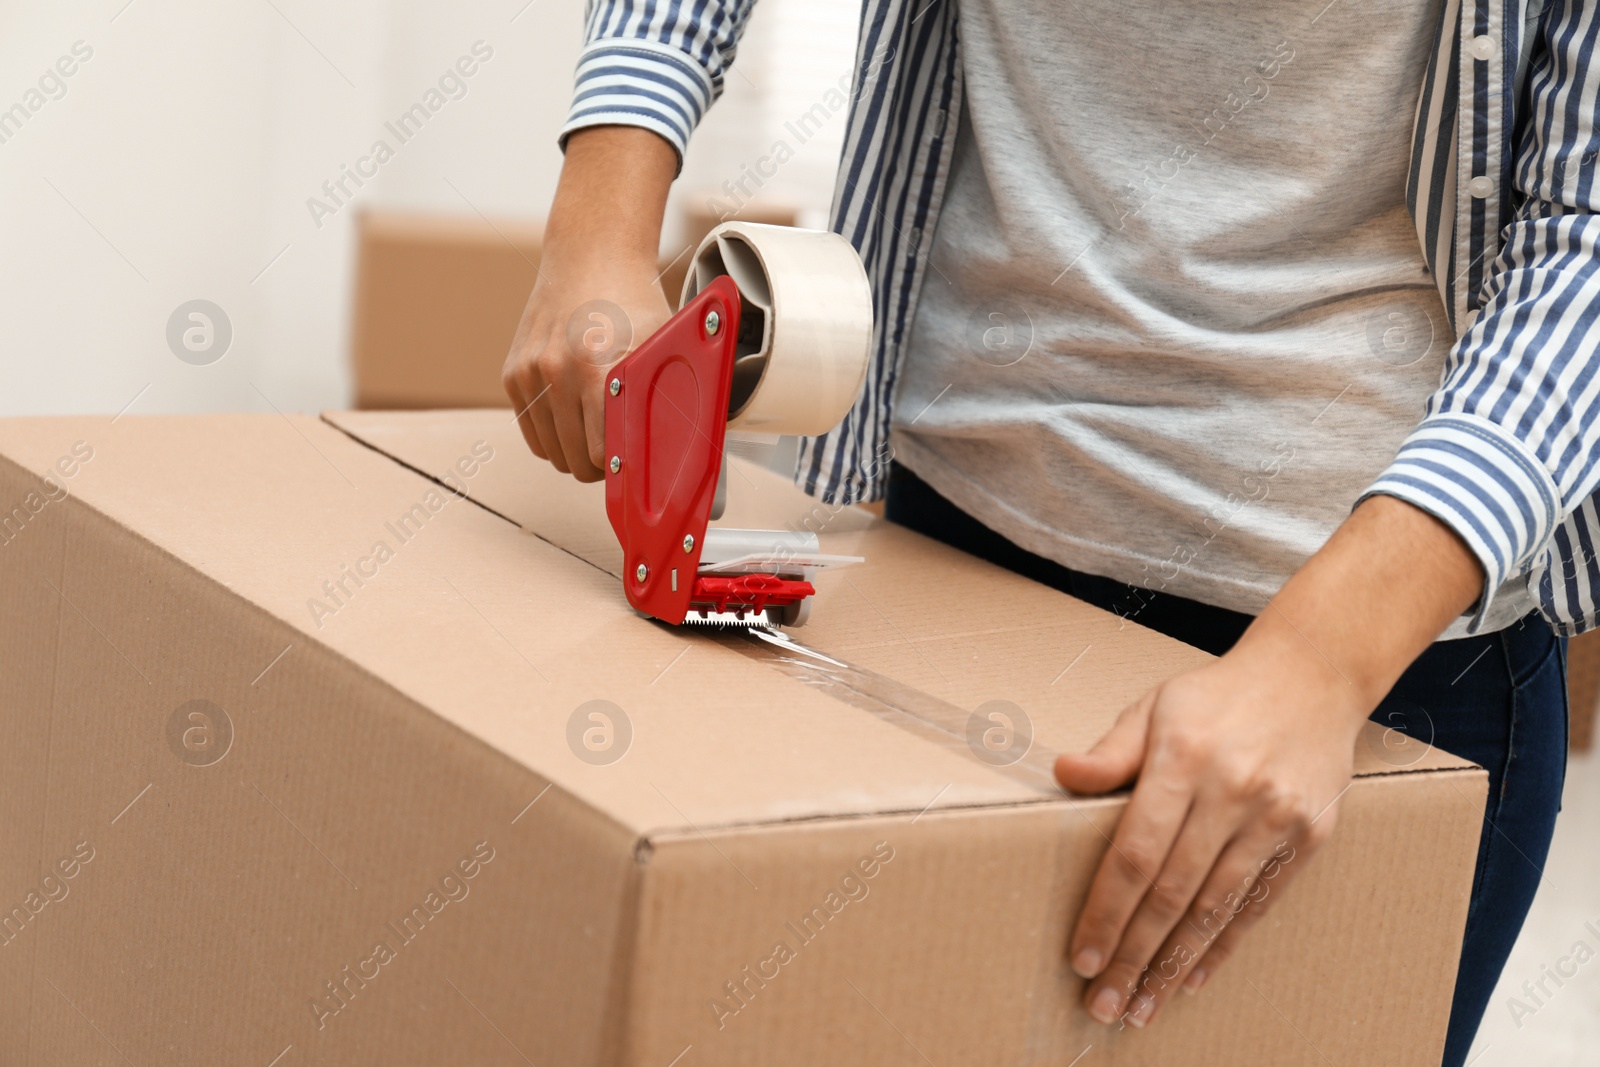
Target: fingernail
point(1196, 979)
point(1103, 1009)
point(1142, 1007)
point(1087, 963)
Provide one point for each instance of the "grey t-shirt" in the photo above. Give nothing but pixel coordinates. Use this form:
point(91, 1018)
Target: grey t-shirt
point(1176, 318)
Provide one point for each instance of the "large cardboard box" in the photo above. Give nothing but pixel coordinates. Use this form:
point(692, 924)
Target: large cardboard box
point(304, 764)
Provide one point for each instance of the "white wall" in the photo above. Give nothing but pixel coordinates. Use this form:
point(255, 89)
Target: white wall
point(178, 163)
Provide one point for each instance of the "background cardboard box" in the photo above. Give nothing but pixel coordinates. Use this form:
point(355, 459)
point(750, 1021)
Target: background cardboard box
point(437, 301)
point(323, 801)
point(1583, 687)
point(438, 298)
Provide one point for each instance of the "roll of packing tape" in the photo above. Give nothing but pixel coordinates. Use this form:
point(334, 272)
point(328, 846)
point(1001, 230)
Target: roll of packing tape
point(805, 328)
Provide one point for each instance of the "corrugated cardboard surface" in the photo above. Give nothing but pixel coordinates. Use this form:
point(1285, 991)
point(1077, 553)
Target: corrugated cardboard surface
point(377, 746)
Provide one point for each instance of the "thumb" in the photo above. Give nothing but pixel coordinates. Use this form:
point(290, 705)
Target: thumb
point(1115, 759)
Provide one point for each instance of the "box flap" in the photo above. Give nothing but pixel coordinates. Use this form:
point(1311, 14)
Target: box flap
point(913, 606)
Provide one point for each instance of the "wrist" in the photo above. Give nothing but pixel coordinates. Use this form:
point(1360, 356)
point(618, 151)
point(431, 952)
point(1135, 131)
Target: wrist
point(611, 197)
point(1382, 589)
point(1346, 686)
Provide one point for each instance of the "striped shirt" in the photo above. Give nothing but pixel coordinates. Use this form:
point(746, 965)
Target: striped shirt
point(1502, 189)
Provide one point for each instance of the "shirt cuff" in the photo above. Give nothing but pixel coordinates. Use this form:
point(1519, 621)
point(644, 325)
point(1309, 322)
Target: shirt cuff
point(1484, 484)
point(632, 82)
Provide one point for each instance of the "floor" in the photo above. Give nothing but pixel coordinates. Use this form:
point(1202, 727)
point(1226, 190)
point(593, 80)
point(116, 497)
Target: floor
point(1559, 1027)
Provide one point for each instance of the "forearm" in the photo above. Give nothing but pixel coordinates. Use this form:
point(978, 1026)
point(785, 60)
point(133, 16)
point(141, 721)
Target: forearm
point(611, 197)
point(597, 294)
point(1383, 588)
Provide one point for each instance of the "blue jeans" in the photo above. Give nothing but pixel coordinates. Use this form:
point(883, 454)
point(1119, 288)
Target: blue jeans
point(1499, 700)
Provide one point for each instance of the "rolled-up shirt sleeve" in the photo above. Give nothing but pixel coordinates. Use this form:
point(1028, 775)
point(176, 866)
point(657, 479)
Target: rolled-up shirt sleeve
point(654, 64)
point(1509, 443)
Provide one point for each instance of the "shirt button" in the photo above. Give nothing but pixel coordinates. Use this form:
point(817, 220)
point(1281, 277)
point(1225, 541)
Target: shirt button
point(1480, 187)
point(1482, 47)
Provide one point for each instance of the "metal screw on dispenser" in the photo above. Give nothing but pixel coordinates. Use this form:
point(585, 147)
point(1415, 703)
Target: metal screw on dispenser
point(641, 572)
point(616, 386)
point(616, 464)
point(688, 542)
point(713, 322)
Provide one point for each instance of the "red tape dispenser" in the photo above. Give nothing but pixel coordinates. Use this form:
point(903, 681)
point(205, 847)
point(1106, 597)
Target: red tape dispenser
point(771, 339)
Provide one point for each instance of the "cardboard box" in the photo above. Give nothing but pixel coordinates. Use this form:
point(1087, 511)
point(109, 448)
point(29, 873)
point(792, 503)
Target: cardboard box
point(438, 298)
point(1583, 688)
point(301, 767)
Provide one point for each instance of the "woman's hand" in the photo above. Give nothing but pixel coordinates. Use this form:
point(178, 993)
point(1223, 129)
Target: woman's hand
point(1241, 763)
point(1240, 767)
point(598, 293)
point(583, 316)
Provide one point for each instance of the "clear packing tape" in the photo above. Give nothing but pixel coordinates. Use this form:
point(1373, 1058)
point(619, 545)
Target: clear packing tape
point(934, 720)
point(805, 325)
